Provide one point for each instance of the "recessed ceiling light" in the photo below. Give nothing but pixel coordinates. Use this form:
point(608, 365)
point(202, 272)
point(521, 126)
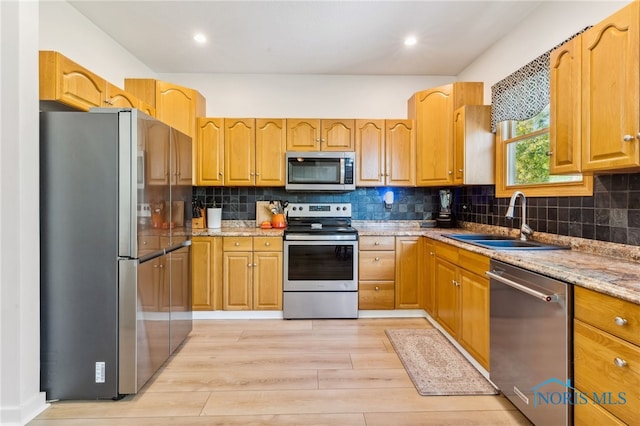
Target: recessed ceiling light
point(410, 41)
point(200, 38)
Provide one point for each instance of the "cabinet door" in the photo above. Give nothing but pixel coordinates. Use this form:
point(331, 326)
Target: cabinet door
point(64, 81)
point(434, 149)
point(429, 285)
point(239, 151)
point(474, 146)
point(400, 158)
point(565, 87)
point(210, 152)
point(181, 159)
point(175, 106)
point(202, 264)
point(370, 153)
point(408, 262)
point(610, 92)
point(474, 315)
point(116, 97)
point(303, 134)
point(270, 152)
point(337, 135)
point(237, 281)
point(267, 284)
point(447, 296)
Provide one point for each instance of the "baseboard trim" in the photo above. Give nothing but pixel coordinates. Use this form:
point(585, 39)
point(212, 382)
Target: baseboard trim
point(392, 313)
point(23, 414)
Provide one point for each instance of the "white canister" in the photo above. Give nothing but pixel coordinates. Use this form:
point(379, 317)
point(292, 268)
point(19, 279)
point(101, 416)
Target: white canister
point(214, 218)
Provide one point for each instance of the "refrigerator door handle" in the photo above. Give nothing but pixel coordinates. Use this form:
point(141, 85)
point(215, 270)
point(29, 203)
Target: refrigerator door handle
point(183, 244)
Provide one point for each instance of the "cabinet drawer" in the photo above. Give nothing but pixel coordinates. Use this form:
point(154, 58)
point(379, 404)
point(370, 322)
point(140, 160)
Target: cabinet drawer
point(618, 317)
point(595, 369)
point(376, 242)
point(267, 244)
point(473, 262)
point(376, 295)
point(377, 265)
point(592, 414)
point(447, 251)
point(237, 244)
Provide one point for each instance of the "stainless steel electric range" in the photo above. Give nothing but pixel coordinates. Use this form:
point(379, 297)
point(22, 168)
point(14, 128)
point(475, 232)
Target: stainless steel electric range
point(320, 262)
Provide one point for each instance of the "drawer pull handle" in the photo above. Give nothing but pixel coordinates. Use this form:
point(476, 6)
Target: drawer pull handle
point(236, 244)
point(377, 288)
point(376, 243)
point(267, 244)
point(377, 259)
point(620, 362)
point(620, 321)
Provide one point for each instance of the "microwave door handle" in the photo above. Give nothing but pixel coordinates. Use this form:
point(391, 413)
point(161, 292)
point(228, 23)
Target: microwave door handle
point(342, 162)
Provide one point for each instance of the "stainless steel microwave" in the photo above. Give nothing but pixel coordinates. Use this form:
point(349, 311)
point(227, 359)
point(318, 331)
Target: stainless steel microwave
point(321, 171)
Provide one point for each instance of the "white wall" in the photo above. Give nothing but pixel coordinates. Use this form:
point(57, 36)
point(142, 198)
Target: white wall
point(20, 399)
point(64, 29)
point(549, 25)
point(299, 96)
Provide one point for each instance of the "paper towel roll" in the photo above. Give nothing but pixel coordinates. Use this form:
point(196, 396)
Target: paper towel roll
point(214, 218)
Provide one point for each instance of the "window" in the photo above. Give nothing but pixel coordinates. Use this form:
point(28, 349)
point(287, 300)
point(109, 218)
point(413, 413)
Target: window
point(523, 161)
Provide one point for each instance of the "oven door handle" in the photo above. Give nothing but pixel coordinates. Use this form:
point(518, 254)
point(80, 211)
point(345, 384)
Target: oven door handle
point(539, 295)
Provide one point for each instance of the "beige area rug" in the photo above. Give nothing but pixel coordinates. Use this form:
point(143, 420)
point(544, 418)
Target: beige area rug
point(435, 366)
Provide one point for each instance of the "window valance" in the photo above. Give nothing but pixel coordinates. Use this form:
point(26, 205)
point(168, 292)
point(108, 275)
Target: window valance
point(523, 94)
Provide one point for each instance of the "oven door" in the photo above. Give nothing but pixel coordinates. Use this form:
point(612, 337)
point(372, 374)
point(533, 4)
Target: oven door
point(320, 265)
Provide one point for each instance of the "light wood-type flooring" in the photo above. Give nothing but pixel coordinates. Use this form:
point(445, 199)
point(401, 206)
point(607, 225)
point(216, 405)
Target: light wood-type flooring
point(280, 372)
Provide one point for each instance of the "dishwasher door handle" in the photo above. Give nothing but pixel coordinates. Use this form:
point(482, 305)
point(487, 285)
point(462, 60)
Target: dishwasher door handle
point(523, 288)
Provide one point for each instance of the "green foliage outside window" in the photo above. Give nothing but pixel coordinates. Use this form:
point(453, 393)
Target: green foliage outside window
point(528, 159)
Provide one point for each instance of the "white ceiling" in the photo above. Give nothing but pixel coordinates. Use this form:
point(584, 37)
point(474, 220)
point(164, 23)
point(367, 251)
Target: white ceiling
point(307, 37)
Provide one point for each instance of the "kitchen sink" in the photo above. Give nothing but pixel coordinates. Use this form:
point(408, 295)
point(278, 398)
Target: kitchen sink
point(502, 242)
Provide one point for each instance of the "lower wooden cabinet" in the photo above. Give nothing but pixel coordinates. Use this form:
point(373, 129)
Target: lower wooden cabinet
point(606, 351)
point(206, 273)
point(408, 272)
point(462, 298)
point(376, 272)
point(252, 273)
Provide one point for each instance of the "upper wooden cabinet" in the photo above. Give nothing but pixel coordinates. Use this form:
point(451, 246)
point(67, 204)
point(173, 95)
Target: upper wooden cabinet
point(240, 152)
point(433, 111)
point(320, 135)
point(210, 152)
point(385, 152)
point(64, 81)
point(175, 105)
point(564, 145)
point(271, 146)
point(611, 92)
point(474, 146)
point(69, 85)
point(254, 152)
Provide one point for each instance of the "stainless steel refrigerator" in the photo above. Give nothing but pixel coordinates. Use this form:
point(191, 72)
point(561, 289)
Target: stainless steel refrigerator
point(115, 210)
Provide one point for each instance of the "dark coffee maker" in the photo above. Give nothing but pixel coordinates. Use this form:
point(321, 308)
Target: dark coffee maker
point(445, 216)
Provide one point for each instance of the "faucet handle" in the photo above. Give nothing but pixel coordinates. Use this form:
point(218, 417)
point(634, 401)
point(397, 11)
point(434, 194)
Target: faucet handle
point(525, 231)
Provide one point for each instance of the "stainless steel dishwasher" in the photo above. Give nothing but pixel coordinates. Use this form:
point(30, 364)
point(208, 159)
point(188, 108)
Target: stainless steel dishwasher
point(530, 342)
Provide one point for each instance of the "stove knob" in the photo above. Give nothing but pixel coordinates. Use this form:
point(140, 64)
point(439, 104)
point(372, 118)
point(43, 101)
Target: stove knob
point(300, 208)
point(344, 208)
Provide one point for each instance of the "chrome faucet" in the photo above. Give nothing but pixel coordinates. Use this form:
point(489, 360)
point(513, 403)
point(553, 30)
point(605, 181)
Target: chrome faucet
point(525, 230)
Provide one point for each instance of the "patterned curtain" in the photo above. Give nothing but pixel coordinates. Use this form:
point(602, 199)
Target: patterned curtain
point(523, 94)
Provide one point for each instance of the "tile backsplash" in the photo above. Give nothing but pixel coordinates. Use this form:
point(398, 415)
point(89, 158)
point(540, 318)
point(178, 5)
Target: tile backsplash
point(238, 203)
point(611, 214)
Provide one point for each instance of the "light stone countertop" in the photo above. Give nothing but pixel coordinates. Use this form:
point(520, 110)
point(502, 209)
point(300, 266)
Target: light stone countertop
point(609, 268)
